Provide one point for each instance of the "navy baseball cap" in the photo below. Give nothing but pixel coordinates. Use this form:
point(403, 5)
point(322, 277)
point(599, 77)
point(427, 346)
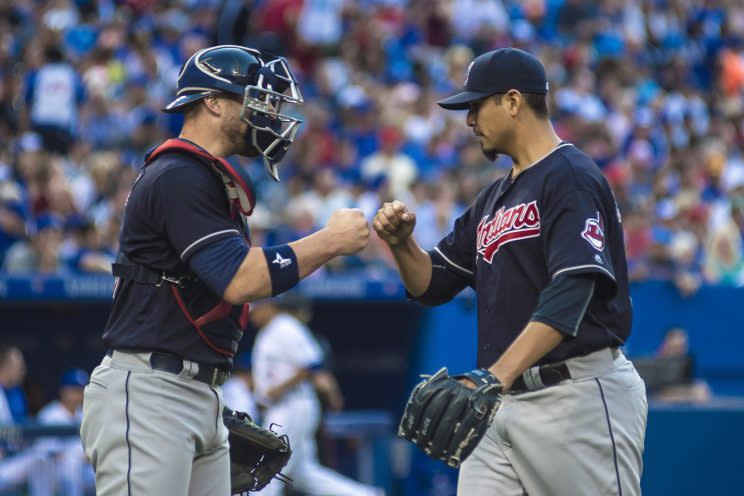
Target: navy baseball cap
point(74, 377)
point(499, 71)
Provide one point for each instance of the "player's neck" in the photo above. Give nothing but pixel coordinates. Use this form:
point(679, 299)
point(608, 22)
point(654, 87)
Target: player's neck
point(69, 408)
point(203, 137)
point(533, 145)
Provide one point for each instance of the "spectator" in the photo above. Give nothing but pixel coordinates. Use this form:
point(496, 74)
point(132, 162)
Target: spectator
point(12, 373)
point(652, 90)
point(88, 252)
point(670, 375)
point(396, 167)
point(41, 252)
point(16, 464)
point(53, 94)
point(724, 263)
point(12, 216)
point(71, 475)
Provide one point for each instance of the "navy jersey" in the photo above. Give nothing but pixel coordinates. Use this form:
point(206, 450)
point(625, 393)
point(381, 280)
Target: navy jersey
point(176, 207)
point(557, 217)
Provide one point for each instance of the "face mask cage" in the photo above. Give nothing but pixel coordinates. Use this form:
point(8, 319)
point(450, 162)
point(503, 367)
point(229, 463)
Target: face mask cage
point(271, 130)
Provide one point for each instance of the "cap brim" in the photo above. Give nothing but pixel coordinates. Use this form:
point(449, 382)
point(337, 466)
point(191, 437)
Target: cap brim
point(183, 100)
point(462, 100)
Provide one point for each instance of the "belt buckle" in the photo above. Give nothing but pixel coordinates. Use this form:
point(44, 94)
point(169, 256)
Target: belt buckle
point(218, 377)
point(176, 281)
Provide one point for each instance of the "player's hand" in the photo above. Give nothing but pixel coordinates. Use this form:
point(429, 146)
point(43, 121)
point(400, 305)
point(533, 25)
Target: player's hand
point(467, 382)
point(394, 223)
point(349, 230)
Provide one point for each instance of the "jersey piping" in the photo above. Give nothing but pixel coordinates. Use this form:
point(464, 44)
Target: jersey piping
point(578, 267)
point(453, 264)
point(192, 245)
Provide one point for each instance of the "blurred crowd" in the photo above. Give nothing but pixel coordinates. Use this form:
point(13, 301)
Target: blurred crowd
point(653, 90)
point(48, 465)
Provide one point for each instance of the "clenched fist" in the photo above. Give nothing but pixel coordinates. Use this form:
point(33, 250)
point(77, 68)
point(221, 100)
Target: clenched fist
point(394, 223)
point(349, 230)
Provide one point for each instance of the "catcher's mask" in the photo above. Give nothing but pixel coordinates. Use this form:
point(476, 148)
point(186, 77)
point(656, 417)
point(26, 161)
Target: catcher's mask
point(264, 83)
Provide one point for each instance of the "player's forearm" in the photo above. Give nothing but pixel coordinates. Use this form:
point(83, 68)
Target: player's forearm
point(253, 282)
point(535, 341)
point(414, 266)
point(314, 251)
point(276, 393)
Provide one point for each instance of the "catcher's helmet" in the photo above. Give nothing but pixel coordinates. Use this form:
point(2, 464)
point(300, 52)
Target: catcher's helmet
point(262, 83)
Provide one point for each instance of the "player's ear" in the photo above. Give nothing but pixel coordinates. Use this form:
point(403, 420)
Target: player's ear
point(214, 105)
point(513, 100)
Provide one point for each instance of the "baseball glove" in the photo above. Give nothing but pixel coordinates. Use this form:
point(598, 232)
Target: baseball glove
point(257, 455)
point(446, 418)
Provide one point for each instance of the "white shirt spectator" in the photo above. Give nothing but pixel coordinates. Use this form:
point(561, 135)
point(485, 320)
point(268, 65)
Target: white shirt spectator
point(399, 169)
point(53, 94)
point(71, 474)
point(6, 417)
point(56, 414)
point(319, 22)
point(469, 16)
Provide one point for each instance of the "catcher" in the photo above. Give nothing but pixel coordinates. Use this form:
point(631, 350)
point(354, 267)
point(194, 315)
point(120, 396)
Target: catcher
point(152, 412)
point(555, 407)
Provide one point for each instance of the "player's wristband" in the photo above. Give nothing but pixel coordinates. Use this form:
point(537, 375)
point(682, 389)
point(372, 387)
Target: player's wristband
point(283, 269)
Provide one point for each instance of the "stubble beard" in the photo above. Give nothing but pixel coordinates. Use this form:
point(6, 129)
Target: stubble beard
point(239, 134)
point(496, 146)
point(490, 154)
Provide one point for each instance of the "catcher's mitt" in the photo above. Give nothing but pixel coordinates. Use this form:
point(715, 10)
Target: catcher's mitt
point(257, 455)
point(446, 418)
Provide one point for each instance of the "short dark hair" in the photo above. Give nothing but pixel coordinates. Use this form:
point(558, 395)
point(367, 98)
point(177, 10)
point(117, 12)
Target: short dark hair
point(5, 351)
point(536, 102)
point(192, 109)
point(53, 53)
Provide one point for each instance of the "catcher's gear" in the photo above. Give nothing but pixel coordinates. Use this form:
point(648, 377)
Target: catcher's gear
point(265, 84)
point(238, 184)
point(446, 418)
point(257, 455)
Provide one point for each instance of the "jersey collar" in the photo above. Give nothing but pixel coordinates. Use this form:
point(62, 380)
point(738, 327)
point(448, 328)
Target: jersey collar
point(536, 162)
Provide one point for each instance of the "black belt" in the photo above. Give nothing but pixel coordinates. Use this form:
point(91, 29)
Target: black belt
point(212, 376)
point(540, 377)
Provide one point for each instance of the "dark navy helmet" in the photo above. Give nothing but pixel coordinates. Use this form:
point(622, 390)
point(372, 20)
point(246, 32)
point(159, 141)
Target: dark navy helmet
point(264, 83)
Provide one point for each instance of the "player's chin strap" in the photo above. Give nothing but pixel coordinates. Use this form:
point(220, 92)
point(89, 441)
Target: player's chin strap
point(238, 185)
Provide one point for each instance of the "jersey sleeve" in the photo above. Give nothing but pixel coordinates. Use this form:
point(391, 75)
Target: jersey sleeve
point(457, 249)
point(305, 351)
point(190, 207)
point(575, 240)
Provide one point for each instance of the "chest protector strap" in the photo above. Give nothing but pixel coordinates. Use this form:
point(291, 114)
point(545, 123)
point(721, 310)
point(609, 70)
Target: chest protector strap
point(238, 184)
point(240, 194)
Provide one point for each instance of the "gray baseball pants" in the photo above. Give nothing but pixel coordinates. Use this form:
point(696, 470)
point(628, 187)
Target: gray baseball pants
point(148, 432)
point(583, 436)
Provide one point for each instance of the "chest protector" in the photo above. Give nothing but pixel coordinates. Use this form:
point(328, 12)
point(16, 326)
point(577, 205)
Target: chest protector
point(220, 325)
